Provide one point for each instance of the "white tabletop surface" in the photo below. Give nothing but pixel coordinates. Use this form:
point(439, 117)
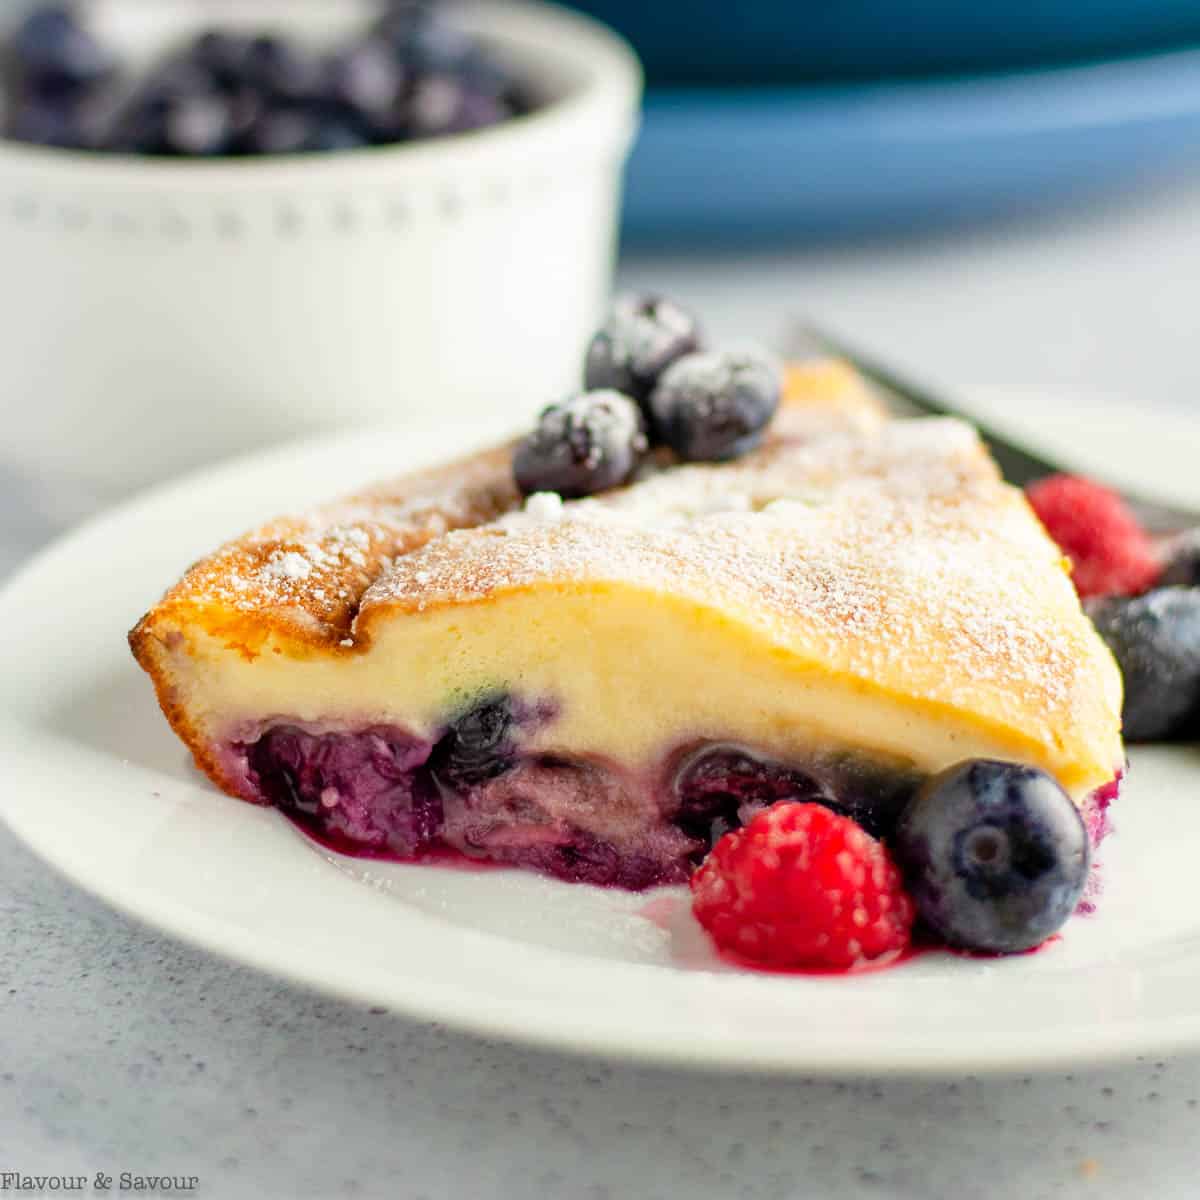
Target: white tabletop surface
point(121, 1050)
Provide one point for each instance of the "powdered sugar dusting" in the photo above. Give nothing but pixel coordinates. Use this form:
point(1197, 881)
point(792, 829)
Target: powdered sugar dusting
point(607, 418)
point(311, 571)
point(288, 565)
point(637, 339)
point(893, 555)
point(307, 574)
point(544, 507)
point(715, 371)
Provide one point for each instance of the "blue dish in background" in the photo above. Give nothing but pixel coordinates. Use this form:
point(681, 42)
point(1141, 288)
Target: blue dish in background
point(728, 164)
point(789, 41)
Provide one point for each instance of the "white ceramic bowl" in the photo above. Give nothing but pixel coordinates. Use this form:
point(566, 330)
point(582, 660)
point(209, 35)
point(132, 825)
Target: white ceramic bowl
point(161, 313)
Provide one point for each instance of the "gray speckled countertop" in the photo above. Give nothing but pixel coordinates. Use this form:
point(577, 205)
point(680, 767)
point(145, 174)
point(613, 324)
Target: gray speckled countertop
point(121, 1050)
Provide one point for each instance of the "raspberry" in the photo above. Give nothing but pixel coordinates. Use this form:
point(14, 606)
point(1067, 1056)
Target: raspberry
point(802, 886)
point(1112, 554)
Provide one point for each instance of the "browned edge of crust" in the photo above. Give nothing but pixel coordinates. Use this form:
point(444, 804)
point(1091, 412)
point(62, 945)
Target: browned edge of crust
point(483, 486)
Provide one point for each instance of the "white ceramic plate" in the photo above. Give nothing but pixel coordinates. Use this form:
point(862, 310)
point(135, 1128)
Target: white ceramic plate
point(96, 784)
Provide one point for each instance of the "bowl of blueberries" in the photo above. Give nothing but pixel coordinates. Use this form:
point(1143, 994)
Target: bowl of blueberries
point(229, 222)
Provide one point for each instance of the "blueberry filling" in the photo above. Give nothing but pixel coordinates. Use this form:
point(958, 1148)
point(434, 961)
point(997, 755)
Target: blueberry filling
point(721, 788)
point(362, 791)
point(382, 792)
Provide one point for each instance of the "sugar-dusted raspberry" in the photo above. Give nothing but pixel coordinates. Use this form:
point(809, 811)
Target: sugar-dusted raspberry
point(802, 886)
point(1112, 554)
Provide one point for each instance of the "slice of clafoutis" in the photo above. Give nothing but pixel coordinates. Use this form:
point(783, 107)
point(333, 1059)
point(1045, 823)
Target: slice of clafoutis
point(596, 689)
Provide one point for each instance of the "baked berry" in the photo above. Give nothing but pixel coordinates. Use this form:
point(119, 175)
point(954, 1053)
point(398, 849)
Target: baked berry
point(722, 787)
point(642, 336)
point(1155, 639)
point(357, 791)
point(53, 49)
point(801, 886)
point(1183, 561)
point(872, 793)
point(583, 445)
point(715, 405)
point(1110, 552)
point(478, 746)
point(994, 854)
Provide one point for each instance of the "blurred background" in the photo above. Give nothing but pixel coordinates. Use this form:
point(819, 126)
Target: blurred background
point(992, 198)
point(340, 224)
point(844, 116)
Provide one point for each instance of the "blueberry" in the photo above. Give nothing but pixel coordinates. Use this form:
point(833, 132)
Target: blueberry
point(287, 129)
point(198, 125)
point(246, 108)
point(174, 79)
point(334, 131)
point(279, 68)
point(1183, 561)
point(722, 787)
point(437, 46)
point(222, 56)
point(401, 20)
point(870, 792)
point(47, 121)
point(478, 746)
point(584, 445)
point(53, 49)
point(443, 104)
point(715, 405)
point(480, 110)
point(370, 78)
point(177, 110)
point(141, 126)
point(409, 75)
point(433, 106)
point(995, 855)
point(1155, 639)
point(642, 336)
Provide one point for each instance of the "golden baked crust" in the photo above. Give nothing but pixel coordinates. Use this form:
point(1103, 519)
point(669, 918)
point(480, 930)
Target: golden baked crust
point(887, 556)
point(302, 577)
